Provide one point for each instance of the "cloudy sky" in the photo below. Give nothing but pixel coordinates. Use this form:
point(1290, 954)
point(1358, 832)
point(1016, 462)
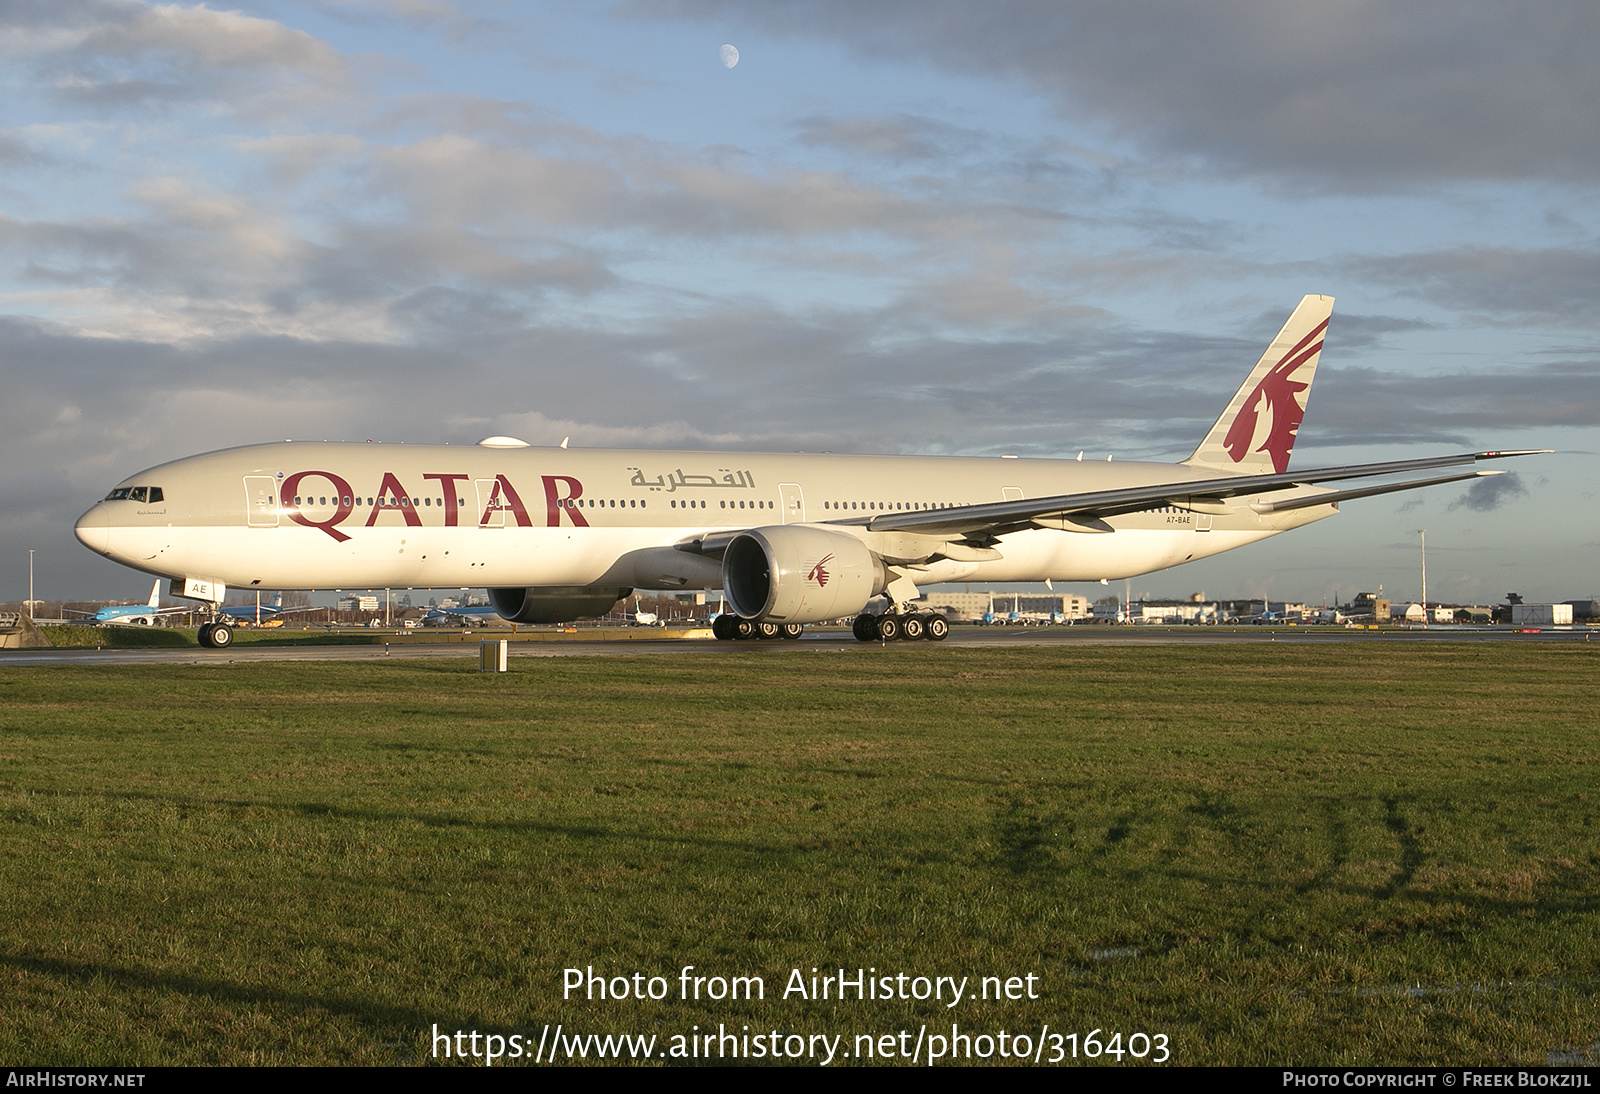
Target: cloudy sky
point(1026, 227)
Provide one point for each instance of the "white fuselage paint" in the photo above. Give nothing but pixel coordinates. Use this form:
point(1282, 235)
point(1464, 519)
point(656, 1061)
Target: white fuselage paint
point(568, 517)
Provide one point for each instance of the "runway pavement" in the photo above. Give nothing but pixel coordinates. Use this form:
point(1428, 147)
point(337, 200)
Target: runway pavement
point(833, 641)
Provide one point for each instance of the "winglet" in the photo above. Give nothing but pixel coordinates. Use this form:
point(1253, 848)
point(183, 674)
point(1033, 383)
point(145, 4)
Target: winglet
point(1257, 432)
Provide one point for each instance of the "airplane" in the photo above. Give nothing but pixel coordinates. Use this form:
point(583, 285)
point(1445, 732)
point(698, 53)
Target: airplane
point(642, 618)
point(260, 614)
point(561, 533)
point(477, 616)
point(1013, 618)
point(147, 614)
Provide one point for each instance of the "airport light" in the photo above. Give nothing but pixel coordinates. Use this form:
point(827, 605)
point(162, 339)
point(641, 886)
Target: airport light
point(1423, 532)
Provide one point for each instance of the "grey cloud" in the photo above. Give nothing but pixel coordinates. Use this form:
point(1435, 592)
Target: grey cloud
point(897, 138)
point(1488, 494)
point(1363, 406)
point(1351, 95)
point(432, 15)
point(1352, 331)
point(16, 152)
point(123, 53)
point(458, 180)
point(1550, 285)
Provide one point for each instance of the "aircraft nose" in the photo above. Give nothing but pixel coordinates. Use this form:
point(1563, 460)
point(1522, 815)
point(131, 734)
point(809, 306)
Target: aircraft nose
point(94, 530)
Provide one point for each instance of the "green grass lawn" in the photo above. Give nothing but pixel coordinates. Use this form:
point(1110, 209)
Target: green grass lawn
point(124, 637)
point(1338, 854)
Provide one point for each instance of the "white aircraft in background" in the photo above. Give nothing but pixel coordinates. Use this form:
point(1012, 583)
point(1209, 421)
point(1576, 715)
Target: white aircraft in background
point(147, 614)
point(559, 533)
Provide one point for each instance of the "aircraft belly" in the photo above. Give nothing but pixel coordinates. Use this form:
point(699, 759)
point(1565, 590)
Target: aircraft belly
point(1035, 555)
point(296, 558)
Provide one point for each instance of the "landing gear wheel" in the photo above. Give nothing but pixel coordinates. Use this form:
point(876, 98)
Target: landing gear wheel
point(767, 630)
point(938, 628)
point(911, 628)
point(888, 628)
point(205, 634)
point(221, 636)
point(743, 629)
point(723, 626)
point(865, 628)
point(792, 630)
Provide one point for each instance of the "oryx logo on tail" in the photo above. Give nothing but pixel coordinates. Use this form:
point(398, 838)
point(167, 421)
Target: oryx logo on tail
point(1278, 395)
point(1257, 432)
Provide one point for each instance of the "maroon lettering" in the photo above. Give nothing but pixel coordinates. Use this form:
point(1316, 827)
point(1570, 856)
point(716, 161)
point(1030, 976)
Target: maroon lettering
point(390, 489)
point(503, 498)
point(556, 503)
point(341, 510)
point(447, 484)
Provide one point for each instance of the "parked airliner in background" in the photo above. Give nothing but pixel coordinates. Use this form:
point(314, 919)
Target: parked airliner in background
point(473, 616)
point(260, 614)
point(147, 614)
point(559, 533)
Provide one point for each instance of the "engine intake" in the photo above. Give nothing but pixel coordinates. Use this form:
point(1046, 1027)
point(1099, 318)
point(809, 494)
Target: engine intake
point(799, 573)
point(554, 603)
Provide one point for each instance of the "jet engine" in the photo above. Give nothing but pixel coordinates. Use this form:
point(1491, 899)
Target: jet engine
point(554, 603)
point(799, 573)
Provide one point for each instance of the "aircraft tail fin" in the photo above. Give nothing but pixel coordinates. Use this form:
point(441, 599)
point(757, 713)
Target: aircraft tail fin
point(155, 594)
point(1257, 432)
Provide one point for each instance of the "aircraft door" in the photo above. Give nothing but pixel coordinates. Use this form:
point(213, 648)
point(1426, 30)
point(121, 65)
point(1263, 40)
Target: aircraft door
point(794, 502)
point(261, 501)
point(491, 509)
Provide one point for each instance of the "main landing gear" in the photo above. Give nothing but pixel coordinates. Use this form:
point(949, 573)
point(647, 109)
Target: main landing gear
point(891, 627)
point(216, 636)
point(730, 628)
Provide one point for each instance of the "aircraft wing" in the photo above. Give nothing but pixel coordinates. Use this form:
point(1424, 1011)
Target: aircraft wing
point(977, 526)
point(1089, 510)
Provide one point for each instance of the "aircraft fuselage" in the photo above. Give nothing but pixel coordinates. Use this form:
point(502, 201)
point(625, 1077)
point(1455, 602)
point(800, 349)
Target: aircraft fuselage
point(300, 515)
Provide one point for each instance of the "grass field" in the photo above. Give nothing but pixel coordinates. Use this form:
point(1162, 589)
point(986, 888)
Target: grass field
point(1336, 854)
point(123, 637)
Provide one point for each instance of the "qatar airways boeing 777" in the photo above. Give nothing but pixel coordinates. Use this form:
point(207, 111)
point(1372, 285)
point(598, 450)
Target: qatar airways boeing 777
point(559, 533)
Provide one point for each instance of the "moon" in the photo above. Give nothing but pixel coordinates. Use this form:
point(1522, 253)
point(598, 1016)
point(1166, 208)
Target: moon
point(730, 56)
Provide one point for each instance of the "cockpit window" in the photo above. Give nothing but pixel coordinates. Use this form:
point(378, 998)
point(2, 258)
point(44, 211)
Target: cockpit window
point(136, 493)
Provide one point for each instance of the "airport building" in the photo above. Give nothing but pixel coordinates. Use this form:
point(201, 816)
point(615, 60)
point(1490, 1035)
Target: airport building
point(1547, 615)
point(972, 606)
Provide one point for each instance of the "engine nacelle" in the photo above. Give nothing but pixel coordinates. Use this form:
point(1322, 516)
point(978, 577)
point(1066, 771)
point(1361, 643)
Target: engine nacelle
point(554, 603)
point(799, 573)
